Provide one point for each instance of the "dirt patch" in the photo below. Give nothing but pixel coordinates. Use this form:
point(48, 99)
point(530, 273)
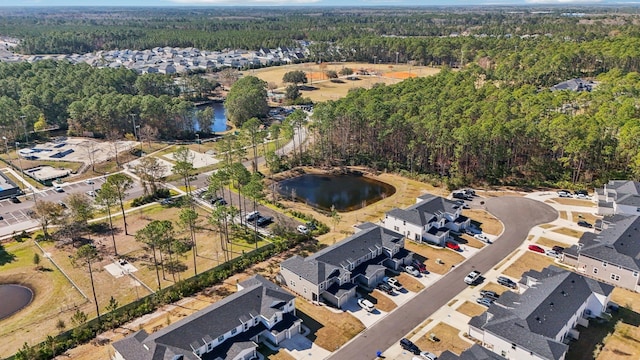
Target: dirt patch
point(588, 217)
point(546, 226)
point(489, 223)
point(626, 298)
point(382, 301)
point(401, 75)
point(470, 241)
point(448, 339)
point(470, 309)
point(410, 283)
point(563, 215)
point(329, 330)
point(569, 232)
point(551, 243)
point(528, 261)
point(575, 202)
point(449, 258)
point(497, 288)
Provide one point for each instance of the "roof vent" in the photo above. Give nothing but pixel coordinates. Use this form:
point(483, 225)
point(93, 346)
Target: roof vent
point(518, 324)
point(538, 319)
point(551, 303)
point(573, 281)
point(564, 293)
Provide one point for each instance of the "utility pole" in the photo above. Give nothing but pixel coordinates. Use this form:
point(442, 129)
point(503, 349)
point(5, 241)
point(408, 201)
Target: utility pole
point(20, 162)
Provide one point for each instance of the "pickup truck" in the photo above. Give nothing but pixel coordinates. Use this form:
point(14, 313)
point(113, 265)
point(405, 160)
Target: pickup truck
point(472, 277)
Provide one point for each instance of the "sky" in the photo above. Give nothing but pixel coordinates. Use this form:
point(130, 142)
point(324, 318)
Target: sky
point(158, 3)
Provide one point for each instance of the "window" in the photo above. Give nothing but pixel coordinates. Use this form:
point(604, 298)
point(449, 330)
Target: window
point(396, 228)
point(635, 274)
point(595, 270)
point(304, 289)
point(220, 338)
point(246, 326)
point(513, 346)
point(604, 264)
point(293, 283)
point(615, 277)
point(234, 331)
point(322, 286)
point(637, 209)
point(504, 354)
point(210, 346)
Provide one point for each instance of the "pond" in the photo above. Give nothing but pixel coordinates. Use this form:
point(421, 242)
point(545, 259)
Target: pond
point(219, 123)
point(344, 192)
point(14, 298)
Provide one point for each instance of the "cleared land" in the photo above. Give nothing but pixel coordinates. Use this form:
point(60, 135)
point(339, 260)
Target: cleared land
point(551, 243)
point(471, 309)
point(589, 217)
point(487, 222)
point(575, 202)
point(410, 283)
point(382, 301)
point(430, 254)
point(569, 232)
point(528, 261)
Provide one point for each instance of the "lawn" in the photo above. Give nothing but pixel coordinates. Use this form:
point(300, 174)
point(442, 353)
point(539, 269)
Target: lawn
point(410, 283)
point(588, 217)
point(382, 301)
point(551, 243)
point(563, 215)
point(546, 226)
point(497, 288)
point(470, 241)
point(329, 330)
point(575, 202)
point(448, 339)
point(528, 261)
point(471, 309)
point(449, 258)
point(488, 223)
point(569, 232)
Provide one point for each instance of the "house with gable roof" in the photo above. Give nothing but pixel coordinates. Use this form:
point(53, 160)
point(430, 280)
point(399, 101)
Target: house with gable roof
point(612, 255)
point(228, 329)
point(475, 352)
point(618, 197)
point(332, 274)
point(428, 220)
point(538, 323)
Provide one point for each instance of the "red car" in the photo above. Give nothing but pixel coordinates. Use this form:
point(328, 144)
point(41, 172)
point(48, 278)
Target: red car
point(454, 246)
point(536, 248)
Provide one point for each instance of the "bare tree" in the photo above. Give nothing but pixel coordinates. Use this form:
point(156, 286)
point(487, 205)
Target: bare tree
point(90, 148)
point(148, 133)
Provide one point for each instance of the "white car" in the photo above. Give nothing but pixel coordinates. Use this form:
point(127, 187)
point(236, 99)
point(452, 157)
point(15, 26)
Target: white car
point(552, 253)
point(303, 229)
point(482, 237)
point(411, 270)
point(252, 215)
point(89, 182)
point(472, 277)
point(428, 355)
point(394, 283)
point(58, 189)
point(583, 197)
point(91, 193)
point(366, 304)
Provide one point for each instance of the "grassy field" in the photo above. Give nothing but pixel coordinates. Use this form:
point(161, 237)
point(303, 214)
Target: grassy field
point(488, 223)
point(410, 283)
point(575, 202)
point(430, 254)
point(448, 339)
point(497, 288)
point(470, 241)
point(382, 301)
point(551, 243)
point(471, 309)
point(329, 330)
point(528, 261)
point(589, 217)
point(569, 232)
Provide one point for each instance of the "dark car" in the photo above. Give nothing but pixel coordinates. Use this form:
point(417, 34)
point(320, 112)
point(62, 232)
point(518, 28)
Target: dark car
point(409, 346)
point(582, 192)
point(504, 281)
point(264, 220)
point(15, 200)
point(383, 286)
point(584, 224)
point(459, 195)
point(491, 295)
point(419, 266)
point(558, 249)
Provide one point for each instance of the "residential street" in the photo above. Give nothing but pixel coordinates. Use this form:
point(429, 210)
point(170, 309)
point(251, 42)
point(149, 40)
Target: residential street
point(518, 215)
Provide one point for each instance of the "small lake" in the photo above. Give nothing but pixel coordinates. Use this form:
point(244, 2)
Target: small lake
point(14, 298)
point(219, 123)
point(345, 192)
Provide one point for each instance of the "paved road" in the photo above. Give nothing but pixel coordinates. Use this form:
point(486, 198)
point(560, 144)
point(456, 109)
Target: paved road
point(518, 214)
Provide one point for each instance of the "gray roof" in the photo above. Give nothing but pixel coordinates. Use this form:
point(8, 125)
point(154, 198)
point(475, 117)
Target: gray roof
point(311, 270)
point(426, 211)
point(574, 85)
point(259, 297)
point(475, 352)
point(533, 319)
point(617, 242)
point(629, 200)
point(357, 246)
point(624, 186)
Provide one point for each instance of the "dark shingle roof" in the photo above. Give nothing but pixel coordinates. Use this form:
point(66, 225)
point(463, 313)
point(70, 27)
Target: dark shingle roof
point(629, 200)
point(310, 269)
point(617, 242)
point(533, 319)
point(475, 352)
point(624, 187)
point(259, 297)
point(425, 211)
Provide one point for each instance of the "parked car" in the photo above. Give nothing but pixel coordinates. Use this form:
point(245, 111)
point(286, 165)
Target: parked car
point(264, 221)
point(1, 217)
point(166, 201)
point(472, 230)
point(484, 301)
point(419, 266)
point(585, 224)
point(409, 346)
point(58, 189)
point(505, 281)
point(89, 182)
point(469, 192)
point(452, 245)
point(252, 215)
point(366, 304)
point(583, 197)
point(582, 192)
point(564, 193)
point(91, 193)
point(492, 295)
point(62, 204)
point(551, 253)
point(303, 229)
point(15, 200)
point(394, 283)
point(558, 249)
point(472, 277)
point(383, 286)
point(459, 195)
point(428, 355)
point(482, 237)
point(411, 270)
point(536, 248)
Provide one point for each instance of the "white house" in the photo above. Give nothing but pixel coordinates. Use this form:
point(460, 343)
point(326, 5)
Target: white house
point(618, 197)
point(228, 329)
point(429, 220)
point(538, 323)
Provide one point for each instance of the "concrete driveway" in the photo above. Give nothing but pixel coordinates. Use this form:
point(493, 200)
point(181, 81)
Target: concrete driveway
point(366, 318)
point(518, 214)
point(300, 347)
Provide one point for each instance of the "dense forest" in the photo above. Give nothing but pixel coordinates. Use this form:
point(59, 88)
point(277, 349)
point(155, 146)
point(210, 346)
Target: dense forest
point(463, 128)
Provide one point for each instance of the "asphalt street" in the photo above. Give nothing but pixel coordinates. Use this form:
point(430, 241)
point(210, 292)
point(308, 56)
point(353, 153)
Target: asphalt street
point(518, 215)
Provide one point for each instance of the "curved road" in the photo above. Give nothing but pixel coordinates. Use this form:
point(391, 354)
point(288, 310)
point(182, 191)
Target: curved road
point(518, 215)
